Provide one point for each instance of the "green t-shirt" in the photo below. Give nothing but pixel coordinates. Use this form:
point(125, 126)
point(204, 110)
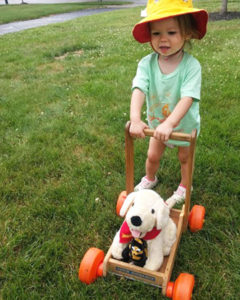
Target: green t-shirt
point(163, 91)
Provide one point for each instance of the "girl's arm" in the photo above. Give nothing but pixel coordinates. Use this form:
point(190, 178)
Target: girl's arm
point(137, 126)
point(164, 130)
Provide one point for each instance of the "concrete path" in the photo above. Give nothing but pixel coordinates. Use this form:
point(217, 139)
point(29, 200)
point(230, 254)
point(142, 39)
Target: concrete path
point(22, 25)
point(10, 2)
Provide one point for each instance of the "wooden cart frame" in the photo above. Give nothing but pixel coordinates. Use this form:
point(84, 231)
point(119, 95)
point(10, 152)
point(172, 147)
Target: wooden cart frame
point(182, 218)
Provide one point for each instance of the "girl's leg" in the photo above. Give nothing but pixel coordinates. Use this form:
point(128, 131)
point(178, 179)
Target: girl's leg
point(183, 154)
point(180, 194)
point(155, 151)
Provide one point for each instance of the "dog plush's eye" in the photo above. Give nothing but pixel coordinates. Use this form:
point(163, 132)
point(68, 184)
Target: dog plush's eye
point(153, 211)
point(133, 204)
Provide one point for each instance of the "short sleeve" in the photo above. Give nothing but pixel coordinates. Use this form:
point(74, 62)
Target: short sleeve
point(191, 86)
point(141, 80)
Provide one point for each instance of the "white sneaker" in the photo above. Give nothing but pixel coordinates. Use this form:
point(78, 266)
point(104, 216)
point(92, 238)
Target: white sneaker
point(179, 195)
point(145, 184)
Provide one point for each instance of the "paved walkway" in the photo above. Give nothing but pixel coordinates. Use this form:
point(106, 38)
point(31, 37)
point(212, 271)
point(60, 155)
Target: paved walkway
point(10, 2)
point(22, 25)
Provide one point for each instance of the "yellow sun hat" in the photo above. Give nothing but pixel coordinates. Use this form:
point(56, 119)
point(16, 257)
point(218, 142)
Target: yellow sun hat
point(162, 9)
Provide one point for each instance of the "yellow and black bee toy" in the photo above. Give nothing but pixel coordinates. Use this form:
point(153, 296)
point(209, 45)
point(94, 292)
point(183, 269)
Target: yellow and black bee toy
point(136, 252)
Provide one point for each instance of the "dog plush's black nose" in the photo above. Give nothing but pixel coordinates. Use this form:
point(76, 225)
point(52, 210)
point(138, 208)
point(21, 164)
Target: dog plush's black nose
point(136, 220)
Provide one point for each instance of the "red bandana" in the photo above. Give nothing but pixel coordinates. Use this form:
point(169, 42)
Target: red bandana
point(126, 235)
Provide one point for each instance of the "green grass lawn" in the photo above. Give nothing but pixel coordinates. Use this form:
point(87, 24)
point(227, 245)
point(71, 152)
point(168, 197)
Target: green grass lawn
point(64, 101)
point(11, 13)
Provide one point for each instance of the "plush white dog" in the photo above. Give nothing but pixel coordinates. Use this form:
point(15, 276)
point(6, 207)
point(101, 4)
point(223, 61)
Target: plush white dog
point(147, 217)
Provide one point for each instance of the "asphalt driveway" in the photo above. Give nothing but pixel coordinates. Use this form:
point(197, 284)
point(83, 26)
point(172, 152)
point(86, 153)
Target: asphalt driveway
point(23, 25)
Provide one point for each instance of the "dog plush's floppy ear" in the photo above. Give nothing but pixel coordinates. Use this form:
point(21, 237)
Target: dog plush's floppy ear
point(162, 216)
point(126, 204)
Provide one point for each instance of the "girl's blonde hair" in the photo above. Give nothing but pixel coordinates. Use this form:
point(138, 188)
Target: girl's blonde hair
point(188, 26)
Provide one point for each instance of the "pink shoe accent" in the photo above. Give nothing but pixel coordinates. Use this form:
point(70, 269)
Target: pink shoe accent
point(184, 186)
point(181, 191)
point(150, 179)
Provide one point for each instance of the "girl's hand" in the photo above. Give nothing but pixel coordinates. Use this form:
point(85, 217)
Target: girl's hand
point(163, 131)
point(137, 129)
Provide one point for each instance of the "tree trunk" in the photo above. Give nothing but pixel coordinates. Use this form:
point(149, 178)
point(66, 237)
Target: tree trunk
point(224, 7)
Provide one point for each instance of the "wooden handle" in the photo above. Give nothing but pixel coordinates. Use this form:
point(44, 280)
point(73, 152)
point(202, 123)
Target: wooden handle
point(178, 136)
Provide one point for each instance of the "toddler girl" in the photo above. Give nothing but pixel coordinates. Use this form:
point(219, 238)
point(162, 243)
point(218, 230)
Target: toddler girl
point(170, 80)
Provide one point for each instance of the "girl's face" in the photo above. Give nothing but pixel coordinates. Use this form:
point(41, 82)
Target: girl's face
point(166, 38)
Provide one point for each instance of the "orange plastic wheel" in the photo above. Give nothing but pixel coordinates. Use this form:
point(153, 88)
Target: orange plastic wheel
point(169, 290)
point(91, 265)
point(196, 218)
point(183, 287)
point(121, 198)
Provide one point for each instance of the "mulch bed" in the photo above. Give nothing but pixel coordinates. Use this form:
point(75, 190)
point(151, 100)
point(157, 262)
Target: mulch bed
point(216, 16)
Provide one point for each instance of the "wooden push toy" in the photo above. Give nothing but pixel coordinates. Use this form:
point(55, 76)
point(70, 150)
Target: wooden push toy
point(94, 264)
